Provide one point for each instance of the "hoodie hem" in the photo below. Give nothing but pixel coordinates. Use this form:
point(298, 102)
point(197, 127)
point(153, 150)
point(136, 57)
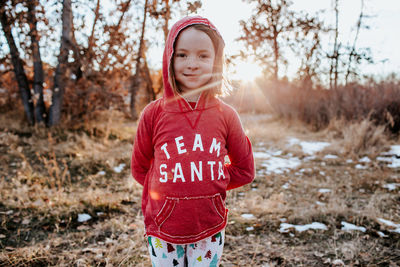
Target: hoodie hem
point(189, 239)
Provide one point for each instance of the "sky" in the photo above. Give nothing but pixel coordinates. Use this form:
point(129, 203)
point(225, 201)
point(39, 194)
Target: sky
point(383, 37)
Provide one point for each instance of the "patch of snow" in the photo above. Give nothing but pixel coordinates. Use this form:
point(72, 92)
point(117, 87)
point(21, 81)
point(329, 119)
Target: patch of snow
point(300, 228)
point(280, 165)
point(395, 163)
point(385, 159)
point(101, 173)
point(324, 190)
point(261, 155)
point(119, 168)
point(247, 216)
point(309, 158)
point(330, 156)
point(308, 147)
point(360, 167)
point(349, 161)
point(338, 262)
point(319, 203)
point(250, 228)
point(276, 153)
point(381, 234)
point(2, 90)
point(390, 224)
point(322, 173)
point(293, 141)
point(365, 159)
point(286, 186)
point(391, 186)
point(350, 227)
point(84, 217)
point(394, 150)
point(283, 219)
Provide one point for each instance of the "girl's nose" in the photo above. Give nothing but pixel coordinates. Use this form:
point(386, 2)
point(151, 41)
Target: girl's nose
point(192, 63)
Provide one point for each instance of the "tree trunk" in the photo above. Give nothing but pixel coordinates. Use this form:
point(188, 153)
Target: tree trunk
point(135, 82)
point(40, 110)
point(167, 17)
point(149, 83)
point(60, 74)
point(335, 56)
point(19, 71)
point(276, 54)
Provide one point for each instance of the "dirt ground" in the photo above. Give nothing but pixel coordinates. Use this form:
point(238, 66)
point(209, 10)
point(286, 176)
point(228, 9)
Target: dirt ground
point(51, 180)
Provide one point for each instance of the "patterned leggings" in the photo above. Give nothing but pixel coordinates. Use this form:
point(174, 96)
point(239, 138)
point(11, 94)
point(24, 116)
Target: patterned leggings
point(204, 253)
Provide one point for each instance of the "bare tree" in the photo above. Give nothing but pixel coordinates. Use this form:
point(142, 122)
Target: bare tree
point(334, 68)
point(38, 79)
point(357, 55)
point(306, 44)
point(267, 30)
point(17, 62)
point(60, 77)
point(114, 35)
point(135, 80)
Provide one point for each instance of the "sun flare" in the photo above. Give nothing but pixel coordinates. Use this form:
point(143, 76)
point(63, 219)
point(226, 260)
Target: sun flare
point(246, 71)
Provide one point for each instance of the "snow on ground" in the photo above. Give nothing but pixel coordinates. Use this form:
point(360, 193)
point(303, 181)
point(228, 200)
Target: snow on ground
point(329, 156)
point(285, 227)
point(280, 165)
point(324, 190)
point(393, 162)
point(84, 217)
point(351, 227)
point(119, 168)
point(275, 161)
point(361, 167)
point(391, 186)
point(392, 157)
point(300, 228)
point(308, 147)
point(390, 224)
point(248, 216)
point(365, 159)
point(394, 150)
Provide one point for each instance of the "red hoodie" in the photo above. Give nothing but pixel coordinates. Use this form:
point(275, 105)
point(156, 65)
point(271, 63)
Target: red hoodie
point(178, 156)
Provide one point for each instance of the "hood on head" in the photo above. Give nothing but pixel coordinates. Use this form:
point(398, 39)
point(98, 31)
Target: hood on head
point(169, 48)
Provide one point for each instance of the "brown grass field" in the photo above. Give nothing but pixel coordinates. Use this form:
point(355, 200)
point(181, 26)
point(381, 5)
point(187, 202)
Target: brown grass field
point(49, 178)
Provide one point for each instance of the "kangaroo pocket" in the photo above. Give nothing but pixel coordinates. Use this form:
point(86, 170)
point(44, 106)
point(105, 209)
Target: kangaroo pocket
point(191, 216)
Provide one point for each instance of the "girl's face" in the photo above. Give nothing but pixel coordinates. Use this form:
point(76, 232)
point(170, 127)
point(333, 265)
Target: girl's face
point(193, 59)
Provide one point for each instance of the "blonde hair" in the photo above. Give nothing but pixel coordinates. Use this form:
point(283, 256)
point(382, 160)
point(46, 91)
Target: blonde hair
point(219, 85)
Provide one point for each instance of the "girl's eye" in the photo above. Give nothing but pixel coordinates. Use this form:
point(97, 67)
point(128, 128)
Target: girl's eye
point(180, 55)
point(204, 56)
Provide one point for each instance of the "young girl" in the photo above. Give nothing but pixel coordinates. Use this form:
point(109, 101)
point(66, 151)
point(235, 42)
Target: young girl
point(180, 147)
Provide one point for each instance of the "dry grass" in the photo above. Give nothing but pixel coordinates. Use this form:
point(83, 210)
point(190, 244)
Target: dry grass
point(48, 178)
